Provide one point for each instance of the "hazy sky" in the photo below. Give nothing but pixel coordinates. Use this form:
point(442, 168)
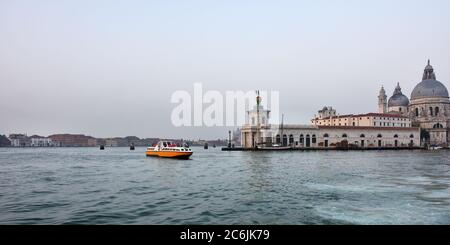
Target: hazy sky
point(108, 68)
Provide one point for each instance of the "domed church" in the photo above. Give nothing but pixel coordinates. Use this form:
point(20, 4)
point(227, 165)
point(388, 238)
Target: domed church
point(429, 108)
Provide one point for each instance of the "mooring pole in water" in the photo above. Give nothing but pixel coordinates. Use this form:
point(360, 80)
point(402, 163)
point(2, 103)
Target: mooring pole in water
point(229, 138)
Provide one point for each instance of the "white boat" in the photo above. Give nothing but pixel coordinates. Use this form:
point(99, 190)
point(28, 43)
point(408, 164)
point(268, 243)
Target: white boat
point(435, 148)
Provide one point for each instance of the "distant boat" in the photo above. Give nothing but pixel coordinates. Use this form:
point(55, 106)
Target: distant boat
point(132, 147)
point(214, 146)
point(205, 146)
point(102, 147)
point(168, 149)
point(434, 148)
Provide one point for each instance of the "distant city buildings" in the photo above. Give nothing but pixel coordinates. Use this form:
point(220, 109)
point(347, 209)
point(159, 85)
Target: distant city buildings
point(80, 140)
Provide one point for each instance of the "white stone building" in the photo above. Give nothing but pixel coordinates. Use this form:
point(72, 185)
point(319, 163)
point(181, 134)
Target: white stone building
point(362, 134)
point(363, 120)
point(41, 142)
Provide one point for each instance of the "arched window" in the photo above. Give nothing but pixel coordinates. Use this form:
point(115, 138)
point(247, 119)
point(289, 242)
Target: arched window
point(379, 136)
point(278, 139)
point(291, 139)
point(417, 112)
point(411, 136)
point(438, 125)
point(326, 136)
point(313, 139)
point(302, 139)
point(362, 136)
point(431, 111)
point(285, 140)
point(436, 111)
point(344, 136)
point(396, 136)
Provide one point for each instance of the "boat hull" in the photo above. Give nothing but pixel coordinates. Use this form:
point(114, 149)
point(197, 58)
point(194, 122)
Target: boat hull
point(169, 154)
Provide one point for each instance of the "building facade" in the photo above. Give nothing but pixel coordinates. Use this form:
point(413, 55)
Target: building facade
point(39, 141)
point(363, 120)
point(19, 140)
point(372, 130)
point(73, 140)
point(313, 136)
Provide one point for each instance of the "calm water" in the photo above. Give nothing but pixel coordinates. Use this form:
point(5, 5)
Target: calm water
point(118, 186)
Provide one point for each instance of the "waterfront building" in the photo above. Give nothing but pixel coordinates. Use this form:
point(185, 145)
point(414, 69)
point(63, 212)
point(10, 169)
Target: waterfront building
point(19, 140)
point(40, 141)
point(77, 140)
point(429, 109)
point(363, 120)
point(92, 142)
point(422, 120)
point(371, 130)
point(257, 129)
point(313, 136)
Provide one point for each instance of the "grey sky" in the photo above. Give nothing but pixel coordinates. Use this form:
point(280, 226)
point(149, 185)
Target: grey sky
point(108, 68)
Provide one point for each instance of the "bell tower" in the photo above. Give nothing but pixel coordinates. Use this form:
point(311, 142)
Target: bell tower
point(382, 101)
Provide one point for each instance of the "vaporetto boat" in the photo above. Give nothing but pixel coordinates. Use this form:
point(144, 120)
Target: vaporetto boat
point(169, 149)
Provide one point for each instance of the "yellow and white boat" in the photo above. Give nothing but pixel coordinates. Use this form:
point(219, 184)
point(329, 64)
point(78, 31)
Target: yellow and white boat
point(168, 149)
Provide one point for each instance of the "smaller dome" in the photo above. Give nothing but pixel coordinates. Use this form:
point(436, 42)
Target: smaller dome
point(398, 98)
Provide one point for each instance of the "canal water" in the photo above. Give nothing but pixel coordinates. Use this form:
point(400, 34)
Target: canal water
point(119, 186)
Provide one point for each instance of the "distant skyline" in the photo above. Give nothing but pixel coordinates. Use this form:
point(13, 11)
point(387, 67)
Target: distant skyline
point(108, 68)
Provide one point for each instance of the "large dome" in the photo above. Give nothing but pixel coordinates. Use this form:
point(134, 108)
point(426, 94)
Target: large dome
point(398, 99)
point(429, 87)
